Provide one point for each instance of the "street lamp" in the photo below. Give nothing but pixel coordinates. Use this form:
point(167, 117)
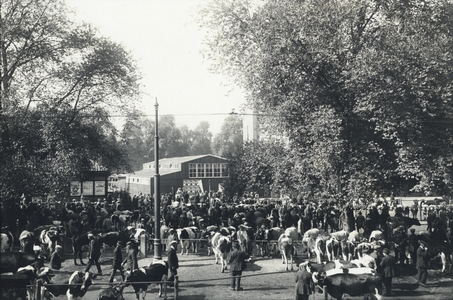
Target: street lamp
point(157, 242)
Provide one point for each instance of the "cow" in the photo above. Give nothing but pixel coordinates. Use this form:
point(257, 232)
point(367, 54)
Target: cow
point(351, 284)
point(73, 287)
point(6, 241)
point(157, 271)
point(271, 236)
point(286, 247)
point(78, 243)
point(34, 273)
point(332, 249)
point(187, 236)
point(50, 238)
point(12, 261)
point(341, 237)
point(111, 238)
point(26, 241)
point(112, 293)
point(221, 246)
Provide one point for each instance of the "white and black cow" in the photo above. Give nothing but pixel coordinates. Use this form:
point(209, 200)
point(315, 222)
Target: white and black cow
point(27, 242)
point(221, 246)
point(12, 261)
point(187, 237)
point(351, 284)
point(286, 247)
point(6, 241)
point(74, 286)
point(34, 274)
point(157, 271)
point(50, 237)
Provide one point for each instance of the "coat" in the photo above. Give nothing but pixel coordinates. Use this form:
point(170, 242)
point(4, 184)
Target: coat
point(173, 262)
point(236, 259)
point(388, 264)
point(422, 258)
point(94, 249)
point(117, 257)
point(304, 282)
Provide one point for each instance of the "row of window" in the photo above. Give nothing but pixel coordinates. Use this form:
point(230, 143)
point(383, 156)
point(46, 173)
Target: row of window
point(208, 170)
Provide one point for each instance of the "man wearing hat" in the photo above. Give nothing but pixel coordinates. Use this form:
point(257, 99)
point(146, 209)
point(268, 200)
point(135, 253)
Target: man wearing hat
point(422, 262)
point(94, 250)
point(173, 262)
point(236, 260)
point(412, 246)
point(117, 261)
point(387, 265)
point(304, 282)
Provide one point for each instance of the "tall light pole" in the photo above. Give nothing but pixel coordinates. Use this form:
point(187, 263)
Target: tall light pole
point(157, 242)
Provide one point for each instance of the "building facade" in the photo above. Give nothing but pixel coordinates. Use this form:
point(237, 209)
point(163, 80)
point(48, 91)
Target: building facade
point(193, 174)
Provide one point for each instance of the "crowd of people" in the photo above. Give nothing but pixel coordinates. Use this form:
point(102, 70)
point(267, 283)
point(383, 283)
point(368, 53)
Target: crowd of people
point(179, 210)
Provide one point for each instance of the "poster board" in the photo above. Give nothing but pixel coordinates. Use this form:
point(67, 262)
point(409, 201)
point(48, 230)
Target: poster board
point(87, 188)
point(99, 188)
point(76, 188)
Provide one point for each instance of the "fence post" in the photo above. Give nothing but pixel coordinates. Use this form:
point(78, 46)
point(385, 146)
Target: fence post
point(176, 287)
point(324, 291)
point(143, 245)
point(38, 288)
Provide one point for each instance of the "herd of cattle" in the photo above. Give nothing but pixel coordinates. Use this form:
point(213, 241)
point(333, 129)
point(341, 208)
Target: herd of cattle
point(334, 253)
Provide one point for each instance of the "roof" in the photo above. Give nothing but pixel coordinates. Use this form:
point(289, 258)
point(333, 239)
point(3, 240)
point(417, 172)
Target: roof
point(183, 159)
point(146, 173)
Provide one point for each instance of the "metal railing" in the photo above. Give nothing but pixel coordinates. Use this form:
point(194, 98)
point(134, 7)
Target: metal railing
point(39, 285)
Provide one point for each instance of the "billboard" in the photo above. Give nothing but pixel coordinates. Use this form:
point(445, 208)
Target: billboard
point(76, 188)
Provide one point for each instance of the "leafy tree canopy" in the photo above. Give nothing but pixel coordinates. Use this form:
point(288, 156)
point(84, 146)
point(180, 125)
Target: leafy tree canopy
point(60, 85)
point(360, 90)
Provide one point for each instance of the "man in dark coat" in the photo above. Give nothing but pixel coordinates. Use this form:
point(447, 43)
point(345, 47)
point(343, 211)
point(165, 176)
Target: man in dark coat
point(387, 264)
point(131, 256)
point(422, 262)
point(117, 261)
point(413, 246)
point(304, 282)
point(173, 262)
point(236, 260)
point(94, 250)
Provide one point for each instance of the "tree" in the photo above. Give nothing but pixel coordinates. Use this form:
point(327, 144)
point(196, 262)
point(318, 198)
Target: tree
point(60, 84)
point(229, 140)
point(360, 90)
point(201, 139)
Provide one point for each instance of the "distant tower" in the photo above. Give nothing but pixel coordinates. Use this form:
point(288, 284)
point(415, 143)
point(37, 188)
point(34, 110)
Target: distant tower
point(250, 127)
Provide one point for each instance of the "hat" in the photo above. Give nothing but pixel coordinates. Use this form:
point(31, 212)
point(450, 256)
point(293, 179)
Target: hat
point(129, 243)
point(90, 235)
point(174, 242)
point(386, 251)
point(120, 243)
point(422, 242)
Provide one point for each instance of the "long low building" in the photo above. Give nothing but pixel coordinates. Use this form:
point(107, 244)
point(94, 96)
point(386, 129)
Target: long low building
point(193, 174)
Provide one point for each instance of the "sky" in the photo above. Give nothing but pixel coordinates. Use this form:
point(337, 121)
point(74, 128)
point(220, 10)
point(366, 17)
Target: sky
point(164, 39)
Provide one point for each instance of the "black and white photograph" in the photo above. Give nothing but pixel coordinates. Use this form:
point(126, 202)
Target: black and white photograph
point(226, 149)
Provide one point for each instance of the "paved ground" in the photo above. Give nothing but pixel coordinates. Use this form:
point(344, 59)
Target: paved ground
point(265, 278)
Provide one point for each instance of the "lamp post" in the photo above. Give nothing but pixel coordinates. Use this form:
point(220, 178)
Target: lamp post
point(157, 242)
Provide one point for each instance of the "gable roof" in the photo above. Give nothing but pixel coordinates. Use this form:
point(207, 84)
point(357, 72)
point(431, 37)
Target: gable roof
point(183, 159)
